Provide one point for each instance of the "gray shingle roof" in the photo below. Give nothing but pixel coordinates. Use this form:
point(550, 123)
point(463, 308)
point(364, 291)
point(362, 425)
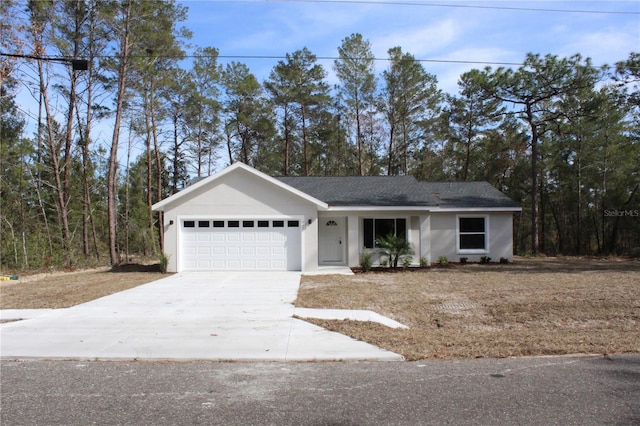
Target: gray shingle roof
point(401, 191)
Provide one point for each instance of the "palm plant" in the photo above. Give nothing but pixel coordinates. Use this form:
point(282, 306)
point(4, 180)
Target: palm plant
point(394, 247)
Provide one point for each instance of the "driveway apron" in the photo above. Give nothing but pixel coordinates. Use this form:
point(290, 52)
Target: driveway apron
point(242, 316)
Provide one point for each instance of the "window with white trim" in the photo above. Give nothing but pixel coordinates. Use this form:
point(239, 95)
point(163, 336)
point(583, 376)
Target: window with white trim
point(374, 229)
point(472, 234)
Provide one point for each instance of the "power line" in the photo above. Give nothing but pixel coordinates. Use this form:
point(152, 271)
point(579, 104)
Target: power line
point(333, 58)
point(269, 57)
point(275, 57)
point(460, 6)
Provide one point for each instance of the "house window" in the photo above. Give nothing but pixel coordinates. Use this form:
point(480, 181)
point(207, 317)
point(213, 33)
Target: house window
point(204, 224)
point(247, 224)
point(380, 228)
point(263, 224)
point(472, 234)
point(278, 223)
point(233, 224)
point(293, 223)
point(189, 223)
point(218, 223)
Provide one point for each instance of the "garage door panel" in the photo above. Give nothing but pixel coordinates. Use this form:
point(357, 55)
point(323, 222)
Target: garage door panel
point(203, 237)
point(263, 237)
point(278, 237)
point(233, 264)
point(204, 264)
point(278, 265)
point(248, 237)
point(263, 264)
point(222, 247)
point(263, 251)
point(204, 251)
point(218, 264)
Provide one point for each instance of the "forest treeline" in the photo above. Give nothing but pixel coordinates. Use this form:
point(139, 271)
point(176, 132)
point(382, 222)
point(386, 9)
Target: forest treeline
point(559, 135)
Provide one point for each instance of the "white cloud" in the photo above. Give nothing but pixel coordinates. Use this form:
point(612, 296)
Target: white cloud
point(449, 73)
point(604, 46)
point(419, 41)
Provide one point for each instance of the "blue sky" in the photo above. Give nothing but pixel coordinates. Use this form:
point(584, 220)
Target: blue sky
point(477, 33)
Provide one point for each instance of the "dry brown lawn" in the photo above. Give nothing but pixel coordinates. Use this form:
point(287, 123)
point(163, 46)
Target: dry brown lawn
point(547, 306)
point(65, 289)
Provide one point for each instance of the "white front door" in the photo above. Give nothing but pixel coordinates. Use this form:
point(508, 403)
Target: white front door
point(332, 240)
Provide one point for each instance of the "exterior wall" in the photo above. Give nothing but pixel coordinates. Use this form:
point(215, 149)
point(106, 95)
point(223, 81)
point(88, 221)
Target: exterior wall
point(355, 235)
point(444, 236)
point(425, 239)
point(242, 195)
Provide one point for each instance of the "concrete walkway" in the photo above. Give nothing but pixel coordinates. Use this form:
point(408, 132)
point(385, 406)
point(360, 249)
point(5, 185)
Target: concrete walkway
point(241, 316)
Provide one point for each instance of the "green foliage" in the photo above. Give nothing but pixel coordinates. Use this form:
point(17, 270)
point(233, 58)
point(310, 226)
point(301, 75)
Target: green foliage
point(443, 261)
point(365, 260)
point(485, 260)
point(410, 102)
point(406, 261)
point(464, 260)
point(504, 260)
point(394, 247)
point(557, 135)
point(164, 262)
point(423, 262)
point(355, 69)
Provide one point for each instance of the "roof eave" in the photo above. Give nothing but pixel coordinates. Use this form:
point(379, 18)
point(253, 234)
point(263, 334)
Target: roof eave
point(433, 209)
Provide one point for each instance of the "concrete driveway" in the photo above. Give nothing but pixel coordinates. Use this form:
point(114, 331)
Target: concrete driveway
point(188, 316)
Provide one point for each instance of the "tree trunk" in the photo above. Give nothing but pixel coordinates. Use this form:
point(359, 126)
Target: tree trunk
point(229, 147)
point(391, 135)
point(359, 141)
point(156, 146)
point(148, 125)
point(535, 242)
point(61, 205)
point(305, 159)
point(112, 175)
point(287, 142)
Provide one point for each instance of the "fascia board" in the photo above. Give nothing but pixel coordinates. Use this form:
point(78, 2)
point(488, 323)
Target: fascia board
point(476, 209)
point(378, 208)
point(422, 209)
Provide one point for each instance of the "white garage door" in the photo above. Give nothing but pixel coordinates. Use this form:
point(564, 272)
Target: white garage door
point(240, 244)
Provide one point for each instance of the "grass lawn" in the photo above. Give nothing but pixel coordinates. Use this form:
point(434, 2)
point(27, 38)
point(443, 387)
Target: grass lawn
point(542, 306)
point(65, 289)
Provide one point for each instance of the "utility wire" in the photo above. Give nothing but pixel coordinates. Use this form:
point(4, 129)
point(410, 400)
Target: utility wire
point(460, 6)
point(271, 57)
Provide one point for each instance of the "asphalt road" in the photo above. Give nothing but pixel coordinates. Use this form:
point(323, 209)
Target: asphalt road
point(542, 391)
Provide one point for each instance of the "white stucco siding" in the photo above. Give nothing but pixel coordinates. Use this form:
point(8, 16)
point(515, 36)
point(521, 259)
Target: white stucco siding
point(501, 232)
point(444, 236)
point(240, 195)
point(355, 232)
